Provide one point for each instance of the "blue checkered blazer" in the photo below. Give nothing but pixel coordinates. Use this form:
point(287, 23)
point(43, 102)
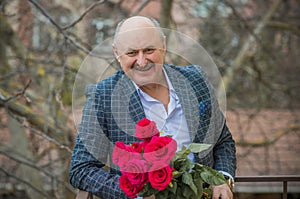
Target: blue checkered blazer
point(112, 109)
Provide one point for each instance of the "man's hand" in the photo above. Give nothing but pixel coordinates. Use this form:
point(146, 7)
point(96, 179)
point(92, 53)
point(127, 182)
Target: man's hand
point(222, 191)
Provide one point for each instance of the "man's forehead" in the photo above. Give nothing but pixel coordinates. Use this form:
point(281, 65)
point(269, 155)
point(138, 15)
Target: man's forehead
point(145, 44)
point(139, 38)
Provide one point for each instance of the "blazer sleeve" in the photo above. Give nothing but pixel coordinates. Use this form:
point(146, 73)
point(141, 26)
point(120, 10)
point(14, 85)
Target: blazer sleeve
point(224, 151)
point(91, 152)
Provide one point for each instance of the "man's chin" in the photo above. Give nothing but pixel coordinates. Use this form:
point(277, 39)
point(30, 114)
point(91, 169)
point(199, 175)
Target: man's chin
point(141, 77)
point(140, 82)
point(144, 77)
point(143, 81)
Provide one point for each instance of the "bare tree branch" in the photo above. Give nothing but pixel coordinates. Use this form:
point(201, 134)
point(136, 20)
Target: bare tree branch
point(37, 132)
point(83, 14)
point(284, 26)
point(239, 17)
point(140, 8)
point(10, 153)
point(237, 63)
point(25, 182)
point(47, 15)
point(265, 142)
point(20, 93)
point(57, 132)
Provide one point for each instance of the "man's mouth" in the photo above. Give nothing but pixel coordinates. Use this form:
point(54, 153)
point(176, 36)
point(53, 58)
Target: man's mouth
point(143, 68)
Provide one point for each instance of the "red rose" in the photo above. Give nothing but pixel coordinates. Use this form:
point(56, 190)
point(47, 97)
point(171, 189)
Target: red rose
point(136, 171)
point(128, 188)
point(120, 150)
point(160, 149)
point(144, 122)
point(161, 178)
point(145, 129)
point(138, 146)
point(122, 153)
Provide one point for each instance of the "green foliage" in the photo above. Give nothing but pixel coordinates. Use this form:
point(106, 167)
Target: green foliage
point(148, 190)
point(188, 177)
point(194, 148)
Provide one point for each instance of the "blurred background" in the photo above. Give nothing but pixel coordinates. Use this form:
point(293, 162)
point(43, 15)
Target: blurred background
point(254, 43)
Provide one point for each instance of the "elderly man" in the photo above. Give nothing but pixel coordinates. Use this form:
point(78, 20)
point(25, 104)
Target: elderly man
point(178, 99)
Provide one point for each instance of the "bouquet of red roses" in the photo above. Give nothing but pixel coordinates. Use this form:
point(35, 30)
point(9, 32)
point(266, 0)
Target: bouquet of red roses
point(154, 167)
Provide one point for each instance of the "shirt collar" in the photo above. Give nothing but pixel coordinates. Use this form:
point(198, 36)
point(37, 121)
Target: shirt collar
point(170, 86)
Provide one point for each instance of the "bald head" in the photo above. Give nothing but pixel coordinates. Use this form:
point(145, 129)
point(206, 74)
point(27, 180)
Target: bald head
point(135, 23)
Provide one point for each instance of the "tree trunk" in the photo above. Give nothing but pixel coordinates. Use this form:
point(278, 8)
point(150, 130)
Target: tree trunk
point(4, 31)
point(165, 13)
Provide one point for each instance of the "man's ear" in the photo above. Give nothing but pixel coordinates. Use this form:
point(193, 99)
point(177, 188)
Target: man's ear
point(116, 52)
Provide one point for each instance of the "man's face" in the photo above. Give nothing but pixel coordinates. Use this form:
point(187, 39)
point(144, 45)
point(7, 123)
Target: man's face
point(141, 54)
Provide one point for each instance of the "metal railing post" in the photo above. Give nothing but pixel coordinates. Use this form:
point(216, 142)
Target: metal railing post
point(284, 179)
point(284, 196)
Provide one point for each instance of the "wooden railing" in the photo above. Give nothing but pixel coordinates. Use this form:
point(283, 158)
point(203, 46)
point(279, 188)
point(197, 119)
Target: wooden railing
point(283, 179)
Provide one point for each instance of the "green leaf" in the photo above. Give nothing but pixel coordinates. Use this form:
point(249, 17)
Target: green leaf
point(179, 192)
point(199, 185)
point(187, 192)
point(198, 167)
point(173, 188)
point(179, 164)
point(212, 176)
point(197, 147)
point(219, 179)
point(183, 153)
point(188, 165)
point(148, 191)
point(162, 194)
point(183, 164)
point(188, 180)
point(179, 197)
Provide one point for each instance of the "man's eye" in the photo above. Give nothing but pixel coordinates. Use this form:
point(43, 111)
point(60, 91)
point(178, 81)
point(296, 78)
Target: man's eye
point(149, 50)
point(131, 53)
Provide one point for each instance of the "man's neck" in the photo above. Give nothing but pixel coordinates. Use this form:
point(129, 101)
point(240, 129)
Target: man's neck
point(159, 92)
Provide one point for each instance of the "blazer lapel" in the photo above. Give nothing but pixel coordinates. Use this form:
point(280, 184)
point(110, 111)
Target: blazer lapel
point(128, 109)
point(188, 99)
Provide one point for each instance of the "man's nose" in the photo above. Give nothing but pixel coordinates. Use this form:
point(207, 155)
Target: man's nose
point(141, 59)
